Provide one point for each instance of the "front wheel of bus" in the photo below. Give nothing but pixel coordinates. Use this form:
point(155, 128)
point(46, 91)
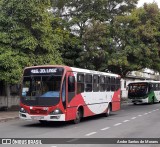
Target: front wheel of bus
point(152, 102)
point(78, 117)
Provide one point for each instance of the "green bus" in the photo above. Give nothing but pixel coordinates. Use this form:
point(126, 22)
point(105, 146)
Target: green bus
point(144, 92)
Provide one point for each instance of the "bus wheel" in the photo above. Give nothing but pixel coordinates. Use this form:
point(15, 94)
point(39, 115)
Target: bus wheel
point(152, 101)
point(78, 117)
point(135, 103)
point(108, 111)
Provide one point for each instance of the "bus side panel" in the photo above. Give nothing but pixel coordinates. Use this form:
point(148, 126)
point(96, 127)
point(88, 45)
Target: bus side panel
point(150, 96)
point(87, 111)
point(157, 93)
point(73, 106)
point(116, 101)
point(71, 113)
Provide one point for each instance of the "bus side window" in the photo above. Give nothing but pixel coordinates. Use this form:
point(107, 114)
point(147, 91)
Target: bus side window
point(80, 83)
point(71, 84)
point(71, 87)
point(113, 82)
point(108, 83)
point(88, 83)
point(156, 87)
point(64, 91)
point(102, 83)
point(95, 83)
point(150, 87)
point(118, 83)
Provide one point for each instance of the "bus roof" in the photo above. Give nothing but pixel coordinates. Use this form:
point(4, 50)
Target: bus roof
point(93, 72)
point(74, 69)
point(147, 81)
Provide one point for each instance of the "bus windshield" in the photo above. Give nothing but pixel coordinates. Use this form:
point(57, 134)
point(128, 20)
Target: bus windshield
point(137, 89)
point(41, 90)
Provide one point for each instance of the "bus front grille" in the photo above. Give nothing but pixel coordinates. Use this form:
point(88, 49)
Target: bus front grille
point(38, 111)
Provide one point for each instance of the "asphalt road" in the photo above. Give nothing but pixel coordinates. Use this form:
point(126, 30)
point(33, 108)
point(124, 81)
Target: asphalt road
point(132, 121)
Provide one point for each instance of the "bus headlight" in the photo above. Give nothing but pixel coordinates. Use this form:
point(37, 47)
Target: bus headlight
point(22, 110)
point(56, 111)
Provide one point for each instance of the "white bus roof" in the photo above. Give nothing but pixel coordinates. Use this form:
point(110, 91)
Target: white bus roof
point(93, 72)
point(74, 69)
point(147, 81)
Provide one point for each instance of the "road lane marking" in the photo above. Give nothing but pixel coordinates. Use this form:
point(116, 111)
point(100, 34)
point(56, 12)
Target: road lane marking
point(89, 134)
point(139, 115)
point(145, 113)
point(150, 112)
point(133, 117)
point(126, 120)
point(117, 124)
point(105, 128)
point(154, 110)
point(157, 109)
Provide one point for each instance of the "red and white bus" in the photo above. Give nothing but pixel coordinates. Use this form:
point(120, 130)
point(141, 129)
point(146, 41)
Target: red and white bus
point(63, 93)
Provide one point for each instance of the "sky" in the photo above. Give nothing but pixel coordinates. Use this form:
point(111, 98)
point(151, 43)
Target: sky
point(141, 2)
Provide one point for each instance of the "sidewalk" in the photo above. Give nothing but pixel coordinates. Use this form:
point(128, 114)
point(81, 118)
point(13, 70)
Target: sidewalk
point(8, 115)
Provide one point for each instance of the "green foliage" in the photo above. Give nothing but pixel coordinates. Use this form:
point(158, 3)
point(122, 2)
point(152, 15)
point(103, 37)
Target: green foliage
point(136, 44)
point(90, 22)
point(94, 34)
point(95, 41)
point(78, 13)
point(26, 37)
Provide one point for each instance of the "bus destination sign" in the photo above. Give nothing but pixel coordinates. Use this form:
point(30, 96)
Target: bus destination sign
point(43, 71)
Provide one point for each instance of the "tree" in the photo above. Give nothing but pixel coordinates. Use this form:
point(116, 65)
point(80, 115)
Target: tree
point(90, 22)
point(78, 13)
point(95, 43)
point(26, 37)
point(136, 41)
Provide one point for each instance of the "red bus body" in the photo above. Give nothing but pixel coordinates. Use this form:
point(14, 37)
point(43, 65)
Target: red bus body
point(79, 89)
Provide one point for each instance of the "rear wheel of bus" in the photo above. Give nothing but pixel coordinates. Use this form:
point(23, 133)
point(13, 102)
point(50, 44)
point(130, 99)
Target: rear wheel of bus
point(108, 110)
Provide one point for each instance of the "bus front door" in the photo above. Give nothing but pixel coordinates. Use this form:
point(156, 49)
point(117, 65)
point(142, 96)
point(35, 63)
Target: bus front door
point(70, 94)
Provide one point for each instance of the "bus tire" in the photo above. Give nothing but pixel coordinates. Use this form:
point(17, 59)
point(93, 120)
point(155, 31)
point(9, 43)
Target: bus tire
point(135, 103)
point(78, 117)
point(152, 100)
point(108, 111)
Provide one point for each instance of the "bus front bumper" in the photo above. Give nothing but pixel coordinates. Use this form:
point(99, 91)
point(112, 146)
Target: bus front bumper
point(26, 116)
point(140, 100)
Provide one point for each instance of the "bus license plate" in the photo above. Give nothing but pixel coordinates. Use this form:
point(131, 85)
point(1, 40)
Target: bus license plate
point(37, 117)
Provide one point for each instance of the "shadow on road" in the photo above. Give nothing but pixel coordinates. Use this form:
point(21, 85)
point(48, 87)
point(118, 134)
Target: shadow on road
point(68, 123)
point(144, 104)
